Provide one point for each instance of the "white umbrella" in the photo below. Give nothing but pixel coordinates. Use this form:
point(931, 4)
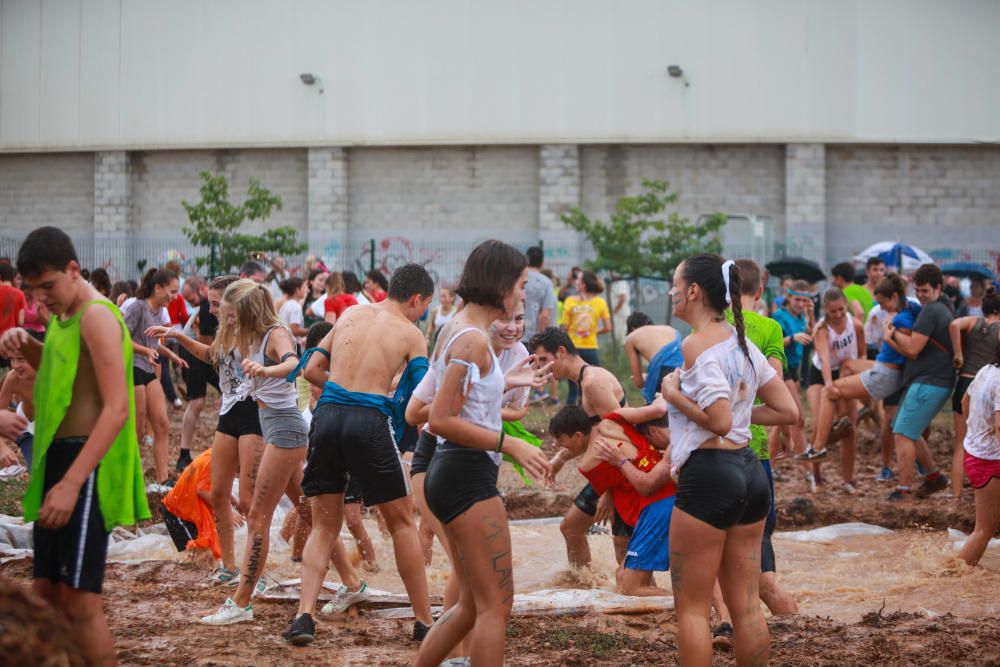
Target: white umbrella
point(892, 252)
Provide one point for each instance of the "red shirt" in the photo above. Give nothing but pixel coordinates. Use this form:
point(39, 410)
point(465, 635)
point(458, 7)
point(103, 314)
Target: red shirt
point(12, 304)
point(629, 503)
point(338, 304)
point(177, 309)
point(379, 295)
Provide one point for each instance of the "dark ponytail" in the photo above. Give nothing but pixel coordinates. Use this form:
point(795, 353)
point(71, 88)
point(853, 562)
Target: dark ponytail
point(152, 279)
point(705, 270)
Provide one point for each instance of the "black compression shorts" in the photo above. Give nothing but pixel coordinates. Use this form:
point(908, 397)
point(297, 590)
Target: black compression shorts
point(457, 479)
point(724, 487)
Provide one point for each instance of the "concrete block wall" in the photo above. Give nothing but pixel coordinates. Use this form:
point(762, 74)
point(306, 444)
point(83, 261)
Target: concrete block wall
point(163, 179)
point(444, 192)
point(930, 196)
point(46, 189)
point(731, 179)
point(429, 204)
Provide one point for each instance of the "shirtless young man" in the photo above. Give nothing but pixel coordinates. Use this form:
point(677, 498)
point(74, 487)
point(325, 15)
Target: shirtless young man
point(353, 431)
point(602, 394)
point(88, 472)
point(659, 345)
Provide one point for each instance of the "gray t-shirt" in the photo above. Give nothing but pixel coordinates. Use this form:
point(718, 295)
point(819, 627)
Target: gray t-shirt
point(933, 366)
point(538, 295)
point(138, 317)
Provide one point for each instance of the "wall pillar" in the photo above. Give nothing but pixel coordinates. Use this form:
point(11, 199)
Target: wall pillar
point(328, 216)
point(113, 238)
point(805, 201)
point(558, 192)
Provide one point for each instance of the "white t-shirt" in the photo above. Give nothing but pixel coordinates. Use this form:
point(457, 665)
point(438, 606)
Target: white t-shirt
point(319, 307)
point(291, 312)
point(515, 398)
point(984, 402)
point(620, 288)
point(721, 371)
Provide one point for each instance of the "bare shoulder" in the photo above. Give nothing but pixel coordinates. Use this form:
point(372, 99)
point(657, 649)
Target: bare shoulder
point(470, 347)
point(99, 323)
point(692, 347)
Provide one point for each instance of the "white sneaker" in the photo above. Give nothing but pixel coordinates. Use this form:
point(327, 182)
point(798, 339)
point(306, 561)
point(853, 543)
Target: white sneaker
point(345, 599)
point(178, 403)
point(264, 584)
point(224, 577)
point(228, 614)
point(147, 441)
point(812, 482)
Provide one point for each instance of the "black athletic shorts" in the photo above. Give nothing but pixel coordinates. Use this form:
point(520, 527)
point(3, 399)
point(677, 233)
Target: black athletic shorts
point(724, 487)
point(180, 531)
point(816, 376)
point(871, 352)
point(409, 440)
point(457, 479)
point(893, 399)
point(74, 554)
point(357, 440)
point(791, 374)
point(197, 376)
point(141, 378)
point(242, 419)
point(423, 453)
point(352, 494)
point(586, 502)
point(960, 390)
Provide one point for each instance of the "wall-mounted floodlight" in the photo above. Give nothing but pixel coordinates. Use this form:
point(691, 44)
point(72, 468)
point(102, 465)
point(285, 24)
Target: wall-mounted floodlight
point(311, 79)
point(676, 72)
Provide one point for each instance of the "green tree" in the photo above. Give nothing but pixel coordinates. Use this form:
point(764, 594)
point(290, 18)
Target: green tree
point(641, 238)
point(215, 223)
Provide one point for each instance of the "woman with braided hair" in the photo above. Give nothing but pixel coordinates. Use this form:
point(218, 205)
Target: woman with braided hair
point(722, 491)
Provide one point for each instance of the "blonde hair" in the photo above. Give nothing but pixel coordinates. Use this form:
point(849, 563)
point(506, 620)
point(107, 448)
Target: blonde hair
point(255, 316)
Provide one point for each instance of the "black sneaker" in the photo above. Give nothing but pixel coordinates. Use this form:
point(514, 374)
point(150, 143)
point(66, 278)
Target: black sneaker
point(927, 488)
point(183, 461)
point(301, 631)
point(420, 631)
point(722, 636)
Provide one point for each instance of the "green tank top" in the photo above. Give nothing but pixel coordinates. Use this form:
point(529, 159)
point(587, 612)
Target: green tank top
point(120, 484)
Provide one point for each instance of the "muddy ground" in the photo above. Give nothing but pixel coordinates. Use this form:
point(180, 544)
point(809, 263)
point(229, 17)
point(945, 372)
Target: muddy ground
point(150, 605)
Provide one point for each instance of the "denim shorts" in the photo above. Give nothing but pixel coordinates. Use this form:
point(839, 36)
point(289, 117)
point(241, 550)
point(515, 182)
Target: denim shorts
point(918, 407)
point(881, 381)
point(284, 427)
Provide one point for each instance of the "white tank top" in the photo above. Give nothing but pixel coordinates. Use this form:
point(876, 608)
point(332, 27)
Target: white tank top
point(272, 392)
point(441, 320)
point(483, 394)
point(843, 346)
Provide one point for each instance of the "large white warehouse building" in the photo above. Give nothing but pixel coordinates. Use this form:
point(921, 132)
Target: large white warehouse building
point(429, 125)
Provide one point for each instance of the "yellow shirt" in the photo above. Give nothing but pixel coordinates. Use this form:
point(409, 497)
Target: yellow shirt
point(582, 318)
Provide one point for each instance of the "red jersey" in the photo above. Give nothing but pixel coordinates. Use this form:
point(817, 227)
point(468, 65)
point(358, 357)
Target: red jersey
point(12, 304)
point(629, 503)
point(177, 309)
point(378, 296)
point(338, 304)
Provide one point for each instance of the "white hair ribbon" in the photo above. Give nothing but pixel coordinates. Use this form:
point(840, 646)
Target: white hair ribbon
point(725, 277)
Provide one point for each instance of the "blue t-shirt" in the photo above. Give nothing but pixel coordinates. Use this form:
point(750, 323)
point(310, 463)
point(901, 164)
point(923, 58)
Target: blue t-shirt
point(791, 325)
point(902, 320)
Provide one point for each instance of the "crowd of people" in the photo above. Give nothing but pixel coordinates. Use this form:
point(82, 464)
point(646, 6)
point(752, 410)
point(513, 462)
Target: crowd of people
point(333, 396)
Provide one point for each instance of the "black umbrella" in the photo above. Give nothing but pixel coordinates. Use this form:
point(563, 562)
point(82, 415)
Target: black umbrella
point(799, 268)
